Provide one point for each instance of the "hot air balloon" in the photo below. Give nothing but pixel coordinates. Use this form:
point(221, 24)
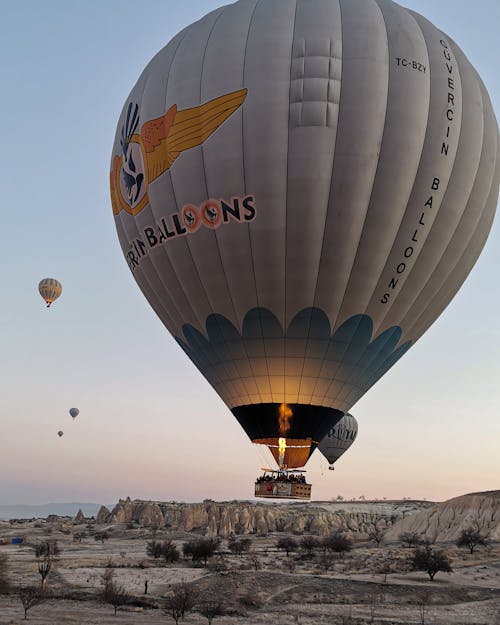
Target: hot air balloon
point(60, 433)
point(50, 289)
point(299, 190)
point(339, 438)
point(74, 412)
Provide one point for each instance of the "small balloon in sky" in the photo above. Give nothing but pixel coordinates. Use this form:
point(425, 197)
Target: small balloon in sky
point(74, 412)
point(60, 433)
point(50, 289)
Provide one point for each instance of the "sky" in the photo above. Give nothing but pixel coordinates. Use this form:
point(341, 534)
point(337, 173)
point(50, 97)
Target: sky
point(150, 426)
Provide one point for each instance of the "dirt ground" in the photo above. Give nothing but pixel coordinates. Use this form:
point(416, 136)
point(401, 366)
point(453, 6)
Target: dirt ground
point(370, 584)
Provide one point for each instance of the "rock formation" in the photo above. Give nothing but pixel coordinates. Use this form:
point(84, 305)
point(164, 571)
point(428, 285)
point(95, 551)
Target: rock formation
point(226, 519)
point(79, 518)
point(445, 521)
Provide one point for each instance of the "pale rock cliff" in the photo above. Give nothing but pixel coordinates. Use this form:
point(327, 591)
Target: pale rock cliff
point(445, 521)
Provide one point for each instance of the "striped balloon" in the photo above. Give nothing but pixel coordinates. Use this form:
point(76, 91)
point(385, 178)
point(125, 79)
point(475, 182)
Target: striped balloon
point(300, 187)
point(50, 289)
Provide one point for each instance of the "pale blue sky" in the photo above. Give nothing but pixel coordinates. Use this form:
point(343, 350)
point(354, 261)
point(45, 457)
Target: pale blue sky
point(150, 425)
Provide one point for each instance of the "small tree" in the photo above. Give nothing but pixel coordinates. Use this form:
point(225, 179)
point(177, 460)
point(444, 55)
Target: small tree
point(169, 551)
point(154, 549)
point(48, 548)
point(4, 575)
point(30, 597)
point(338, 542)
point(44, 568)
point(287, 543)
point(112, 593)
point(430, 560)
point(211, 609)
point(240, 545)
point(200, 549)
point(180, 601)
point(376, 534)
point(101, 536)
point(472, 538)
point(308, 544)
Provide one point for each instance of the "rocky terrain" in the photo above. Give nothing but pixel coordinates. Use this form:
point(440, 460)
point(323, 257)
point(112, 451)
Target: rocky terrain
point(226, 519)
point(372, 582)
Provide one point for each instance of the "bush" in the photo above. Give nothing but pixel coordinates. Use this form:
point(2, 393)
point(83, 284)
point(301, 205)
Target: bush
point(239, 546)
point(472, 538)
point(338, 542)
point(411, 539)
point(200, 549)
point(287, 543)
point(251, 600)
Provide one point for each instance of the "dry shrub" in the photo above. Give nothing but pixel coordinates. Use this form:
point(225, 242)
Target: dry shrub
point(251, 600)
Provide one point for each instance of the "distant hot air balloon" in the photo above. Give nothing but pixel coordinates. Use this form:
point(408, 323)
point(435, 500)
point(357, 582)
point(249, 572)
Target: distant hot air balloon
point(50, 289)
point(60, 433)
point(74, 412)
point(300, 189)
point(339, 438)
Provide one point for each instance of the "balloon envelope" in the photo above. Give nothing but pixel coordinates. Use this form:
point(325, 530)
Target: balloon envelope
point(60, 433)
point(339, 438)
point(74, 412)
point(50, 289)
point(299, 189)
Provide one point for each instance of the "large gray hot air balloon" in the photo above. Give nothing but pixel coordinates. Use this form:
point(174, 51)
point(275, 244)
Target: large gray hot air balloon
point(300, 187)
point(339, 438)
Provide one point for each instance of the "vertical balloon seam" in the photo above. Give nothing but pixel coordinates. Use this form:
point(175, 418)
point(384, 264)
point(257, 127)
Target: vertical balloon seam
point(367, 210)
point(383, 6)
point(247, 226)
point(179, 289)
point(448, 203)
point(176, 315)
point(213, 234)
point(145, 283)
point(335, 322)
point(286, 192)
point(320, 257)
point(466, 257)
point(184, 242)
point(416, 256)
point(469, 209)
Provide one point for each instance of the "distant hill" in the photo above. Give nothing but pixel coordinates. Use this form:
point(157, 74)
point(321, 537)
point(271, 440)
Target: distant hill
point(446, 520)
point(26, 511)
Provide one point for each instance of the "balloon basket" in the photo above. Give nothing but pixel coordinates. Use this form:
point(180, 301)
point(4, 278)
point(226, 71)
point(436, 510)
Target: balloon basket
point(282, 485)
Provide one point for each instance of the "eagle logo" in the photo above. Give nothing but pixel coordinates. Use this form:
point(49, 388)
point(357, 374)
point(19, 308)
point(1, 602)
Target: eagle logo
point(147, 154)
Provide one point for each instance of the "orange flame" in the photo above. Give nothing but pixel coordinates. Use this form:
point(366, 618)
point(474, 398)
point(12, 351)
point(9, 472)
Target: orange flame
point(282, 449)
point(285, 414)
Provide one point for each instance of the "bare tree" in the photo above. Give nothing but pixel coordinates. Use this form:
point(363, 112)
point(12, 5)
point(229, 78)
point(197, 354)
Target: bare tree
point(430, 560)
point(47, 548)
point(338, 542)
point(4, 574)
point(200, 549)
point(423, 601)
point(180, 601)
point(211, 609)
point(376, 534)
point(112, 593)
point(30, 597)
point(308, 544)
point(287, 543)
point(472, 538)
point(44, 568)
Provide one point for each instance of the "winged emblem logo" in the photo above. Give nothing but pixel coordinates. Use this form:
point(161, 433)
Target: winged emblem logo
point(147, 154)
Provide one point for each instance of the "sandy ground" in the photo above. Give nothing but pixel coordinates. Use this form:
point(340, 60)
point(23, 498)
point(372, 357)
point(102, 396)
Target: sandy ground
point(261, 587)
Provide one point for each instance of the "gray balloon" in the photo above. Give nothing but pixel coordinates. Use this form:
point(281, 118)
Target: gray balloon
point(74, 412)
point(300, 189)
point(60, 433)
point(339, 438)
